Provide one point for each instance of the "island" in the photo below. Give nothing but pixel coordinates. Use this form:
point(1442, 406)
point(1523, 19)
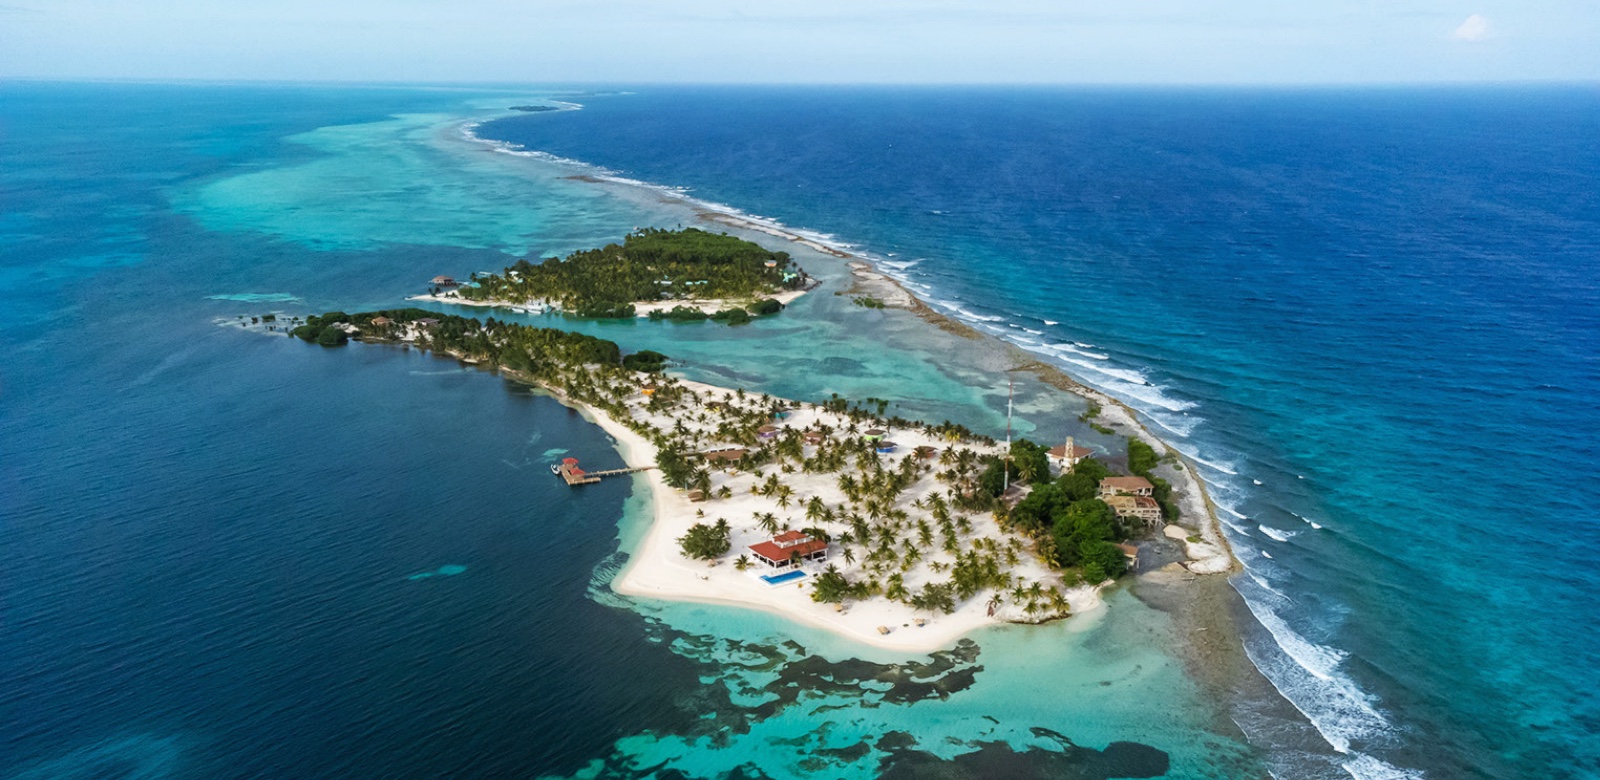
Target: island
point(899, 533)
point(679, 275)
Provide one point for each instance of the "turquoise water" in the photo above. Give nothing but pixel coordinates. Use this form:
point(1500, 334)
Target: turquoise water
point(237, 555)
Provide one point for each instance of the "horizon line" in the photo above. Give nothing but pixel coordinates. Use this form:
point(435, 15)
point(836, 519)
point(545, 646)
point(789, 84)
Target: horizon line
point(563, 84)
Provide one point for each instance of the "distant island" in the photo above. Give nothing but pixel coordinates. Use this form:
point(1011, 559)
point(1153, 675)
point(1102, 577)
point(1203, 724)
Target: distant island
point(533, 109)
point(829, 512)
point(678, 275)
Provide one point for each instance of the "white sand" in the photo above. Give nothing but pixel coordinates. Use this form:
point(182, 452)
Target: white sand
point(641, 308)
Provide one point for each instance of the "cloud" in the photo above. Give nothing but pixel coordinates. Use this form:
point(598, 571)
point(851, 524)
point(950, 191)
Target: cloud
point(1474, 29)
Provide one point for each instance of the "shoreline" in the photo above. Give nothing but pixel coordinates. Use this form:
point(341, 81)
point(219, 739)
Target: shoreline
point(642, 309)
point(655, 569)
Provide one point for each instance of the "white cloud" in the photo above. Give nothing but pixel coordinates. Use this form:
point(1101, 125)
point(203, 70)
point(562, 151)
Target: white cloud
point(1475, 28)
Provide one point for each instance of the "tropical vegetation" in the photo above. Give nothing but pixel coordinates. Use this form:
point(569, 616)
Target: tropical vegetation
point(649, 265)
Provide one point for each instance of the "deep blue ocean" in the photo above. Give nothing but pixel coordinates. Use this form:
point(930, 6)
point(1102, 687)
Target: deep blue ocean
point(1372, 317)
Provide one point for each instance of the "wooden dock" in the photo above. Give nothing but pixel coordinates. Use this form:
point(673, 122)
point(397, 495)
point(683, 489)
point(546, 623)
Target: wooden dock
point(574, 476)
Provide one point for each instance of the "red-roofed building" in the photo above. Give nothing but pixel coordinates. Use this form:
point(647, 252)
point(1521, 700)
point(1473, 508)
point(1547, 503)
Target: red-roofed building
point(782, 549)
point(1125, 486)
point(1067, 455)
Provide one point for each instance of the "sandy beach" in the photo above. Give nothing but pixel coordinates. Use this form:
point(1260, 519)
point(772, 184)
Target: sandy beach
point(641, 308)
point(659, 570)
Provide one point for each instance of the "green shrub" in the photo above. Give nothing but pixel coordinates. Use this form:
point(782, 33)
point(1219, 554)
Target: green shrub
point(706, 542)
point(764, 307)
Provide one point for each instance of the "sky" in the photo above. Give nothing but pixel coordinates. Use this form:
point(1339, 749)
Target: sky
point(806, 41)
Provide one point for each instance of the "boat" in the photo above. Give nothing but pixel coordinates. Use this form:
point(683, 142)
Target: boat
point(555, 468)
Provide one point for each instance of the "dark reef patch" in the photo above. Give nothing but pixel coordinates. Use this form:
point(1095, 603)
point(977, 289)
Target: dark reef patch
point(1000, 760)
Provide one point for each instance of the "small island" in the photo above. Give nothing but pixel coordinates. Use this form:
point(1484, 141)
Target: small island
point(679, 275)
point(829, 511)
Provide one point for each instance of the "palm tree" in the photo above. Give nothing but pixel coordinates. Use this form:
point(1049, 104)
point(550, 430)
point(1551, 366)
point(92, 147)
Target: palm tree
point(768, 521)
point(849, 554)
point(896, 591)
point(742, 563)
point(815, 509)
point(1028, 469)
point(1058, 602)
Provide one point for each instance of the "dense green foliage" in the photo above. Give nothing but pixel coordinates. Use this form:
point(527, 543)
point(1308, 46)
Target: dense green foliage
point(537, 353)
point(1142, 460)
point(706, 542)
point(1101, 561)
point(868, 302)
point(1141, 457)
point(764, 307)
point(322, 330)
point(649, 265)
point(1078, 525)
point(332, 337)
point(994, 478)
point(680, 314)
point(646, 360)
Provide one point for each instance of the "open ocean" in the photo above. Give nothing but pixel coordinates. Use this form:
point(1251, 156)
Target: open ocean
point(1372, 317)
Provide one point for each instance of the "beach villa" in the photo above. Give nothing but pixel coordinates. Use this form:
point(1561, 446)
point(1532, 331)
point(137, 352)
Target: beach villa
point(444, 281)
point(781, 550)
point(1125, 486)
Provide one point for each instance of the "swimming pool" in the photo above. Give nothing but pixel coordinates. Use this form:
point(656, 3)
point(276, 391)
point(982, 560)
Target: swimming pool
point(779, 579)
